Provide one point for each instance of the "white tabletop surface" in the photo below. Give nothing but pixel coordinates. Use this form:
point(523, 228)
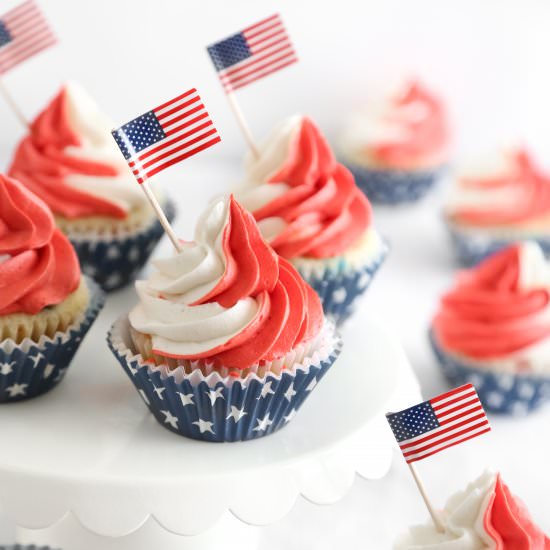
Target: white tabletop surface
point(403, 298)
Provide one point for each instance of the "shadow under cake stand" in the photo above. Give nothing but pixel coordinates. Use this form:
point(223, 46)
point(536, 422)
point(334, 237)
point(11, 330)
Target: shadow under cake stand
point(87, 467)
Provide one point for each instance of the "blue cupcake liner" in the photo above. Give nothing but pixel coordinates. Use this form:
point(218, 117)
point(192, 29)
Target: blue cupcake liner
point(30, 369)
point(340, 291)
point(393, 186)
point(211, 409)
point(114, 263)
point(472, 249)
point(500, 392)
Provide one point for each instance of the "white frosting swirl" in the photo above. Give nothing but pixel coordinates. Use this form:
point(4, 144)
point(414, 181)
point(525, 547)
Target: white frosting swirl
point(94, 131)
point(165, 311)
point(463, 519)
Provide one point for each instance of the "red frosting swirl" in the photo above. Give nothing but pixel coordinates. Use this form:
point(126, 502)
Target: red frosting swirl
point(527, 186)
point(42, 268)
point(424, 132)
point(290, 312)
point(509, 524)
point(325, 211)
point(487, 315)
point(42, 164)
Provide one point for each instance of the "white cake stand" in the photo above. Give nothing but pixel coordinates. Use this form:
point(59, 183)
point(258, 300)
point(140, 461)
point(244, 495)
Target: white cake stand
point(86, 467)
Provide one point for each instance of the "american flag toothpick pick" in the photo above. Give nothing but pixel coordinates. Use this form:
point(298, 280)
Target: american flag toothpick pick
point(249, 55)
point(162, 137)
point(435, 425)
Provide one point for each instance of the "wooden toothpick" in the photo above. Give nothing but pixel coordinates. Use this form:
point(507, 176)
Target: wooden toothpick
point(13, 105)
point(243, 124)
point(433, 512)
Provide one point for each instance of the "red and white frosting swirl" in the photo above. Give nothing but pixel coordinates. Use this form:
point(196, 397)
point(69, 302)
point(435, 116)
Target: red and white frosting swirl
point(513, 191)
point(306, 203)
point(485, 515)
point(38, 265)
point(500, 310)
point(408, 130)
point(226, 297)
point(71, 162)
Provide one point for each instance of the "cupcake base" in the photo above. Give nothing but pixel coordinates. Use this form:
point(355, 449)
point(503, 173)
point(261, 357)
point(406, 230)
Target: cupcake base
point(340, 291)
point(216, 409)
point(500, 392)
point(115, 262)
point(29, 369)
point(385, 186)
point(471, 248)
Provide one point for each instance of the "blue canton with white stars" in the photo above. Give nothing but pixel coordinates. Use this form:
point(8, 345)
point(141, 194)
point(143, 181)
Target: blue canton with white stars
point(229, 52)
point(5, 36)
point(413, 422)
point(138, 134)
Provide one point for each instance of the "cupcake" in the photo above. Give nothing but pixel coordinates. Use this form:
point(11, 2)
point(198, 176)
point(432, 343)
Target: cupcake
point(71, 162)
point(398, 146)
point(493, 330)
point(485, 515)
point(502, 201)
point(227, 340)
point(311, 212)
point(46, 307)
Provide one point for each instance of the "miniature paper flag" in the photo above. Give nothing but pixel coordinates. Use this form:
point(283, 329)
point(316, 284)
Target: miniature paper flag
point(253, 53)
point(440, 423)
point(24, 32)
point(166, 135)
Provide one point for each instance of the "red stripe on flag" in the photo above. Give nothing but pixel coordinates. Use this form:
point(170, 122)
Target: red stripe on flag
point(186, 124)
point(450, 393)
point(447, 446)
point(468, 404)
point(262, 22)
point(177, 108)
point(230, 86)
point(251, 36)
point(461, 415)
point(254, 61)
point(455, 400)
point(185, 115)
point(180, 97)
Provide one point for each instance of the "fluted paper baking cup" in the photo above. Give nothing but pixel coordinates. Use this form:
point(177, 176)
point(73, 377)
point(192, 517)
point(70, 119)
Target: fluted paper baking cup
point(394, 186)
point(114, 262)
point(473, 247)
point(29, 369)
point(340, 290)
point(500, 392)
point(215, 408)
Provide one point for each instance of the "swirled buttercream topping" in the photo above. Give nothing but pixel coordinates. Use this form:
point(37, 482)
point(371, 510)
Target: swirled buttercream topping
point(38, 266)
point(226, 297)
point(70, 161)
point(305, 202)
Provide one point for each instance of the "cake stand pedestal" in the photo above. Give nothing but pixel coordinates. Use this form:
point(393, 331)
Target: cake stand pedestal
point(86, 467)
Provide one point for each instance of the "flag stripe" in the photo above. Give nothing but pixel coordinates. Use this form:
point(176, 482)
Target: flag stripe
point(460, 407)
point(231, 87)
point(161, 115)
point(175, 100)
point(447, 395)
point(184, 156)
point(262, 22)
point(250, 36)
point(443, 406)
point(440, 434)
point(426, 455)
point(187, 124)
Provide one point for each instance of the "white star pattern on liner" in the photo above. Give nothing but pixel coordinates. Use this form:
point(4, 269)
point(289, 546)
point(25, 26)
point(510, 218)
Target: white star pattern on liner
point(290, 392)
point(144, 397)
point(290, 415)
point(263, 423)
point(495, 399)
point(204, 426)
point(214, 395)
point(186, 399)
point(169, 418)
point(113, 252)
point(159, 392)
point(36, 358)
point(339, 296)
point(17, 389)
point(6, 368)
point(59, 375)
point(312, 384)
point(48, 369)
point(236, 413)
point(266, 390)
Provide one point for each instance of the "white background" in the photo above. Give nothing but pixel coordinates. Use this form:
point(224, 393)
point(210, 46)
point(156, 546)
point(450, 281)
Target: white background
point(489, 59)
